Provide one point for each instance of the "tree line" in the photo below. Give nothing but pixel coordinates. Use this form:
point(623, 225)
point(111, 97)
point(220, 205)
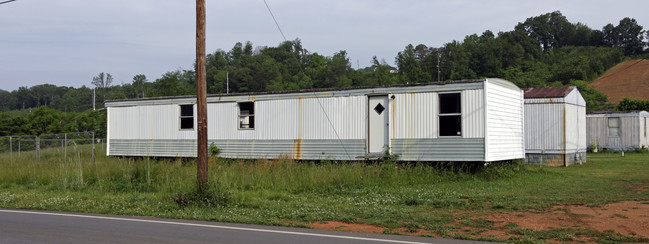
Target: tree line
point(546, 50)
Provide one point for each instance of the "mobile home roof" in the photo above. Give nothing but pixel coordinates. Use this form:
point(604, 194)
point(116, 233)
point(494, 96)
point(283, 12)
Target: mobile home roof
point(313, 93)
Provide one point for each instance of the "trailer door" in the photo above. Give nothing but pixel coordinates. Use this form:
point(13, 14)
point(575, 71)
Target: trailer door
point(378, 123)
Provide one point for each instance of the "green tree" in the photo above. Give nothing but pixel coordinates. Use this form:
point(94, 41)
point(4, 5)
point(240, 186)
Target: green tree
point(102, 83)
point(409, 63)
point(628, 104)
point(338, 71)
point(627, 35)
point(138, 85)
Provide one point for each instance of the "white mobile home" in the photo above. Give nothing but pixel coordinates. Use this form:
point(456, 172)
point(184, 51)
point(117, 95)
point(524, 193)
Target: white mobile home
point(615, 130)
point(473, 120)
point(555, 126)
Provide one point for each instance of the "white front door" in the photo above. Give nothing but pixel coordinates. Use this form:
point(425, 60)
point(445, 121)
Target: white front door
point(378, 122)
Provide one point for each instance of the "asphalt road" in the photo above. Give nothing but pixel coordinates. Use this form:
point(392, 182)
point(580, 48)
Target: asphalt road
point(25, 226)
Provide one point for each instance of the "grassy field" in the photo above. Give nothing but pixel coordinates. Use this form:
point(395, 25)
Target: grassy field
point(392, 196)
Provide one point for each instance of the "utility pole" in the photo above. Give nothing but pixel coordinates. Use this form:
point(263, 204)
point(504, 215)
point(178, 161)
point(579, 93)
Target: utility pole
point(438, 56)
point(201, 97)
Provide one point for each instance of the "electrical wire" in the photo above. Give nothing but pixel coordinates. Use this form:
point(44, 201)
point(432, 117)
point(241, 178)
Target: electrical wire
point(271, 15)
point(311, 84)
point(7, 1)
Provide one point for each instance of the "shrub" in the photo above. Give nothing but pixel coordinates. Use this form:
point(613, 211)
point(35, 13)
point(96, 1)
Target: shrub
point(214, 150)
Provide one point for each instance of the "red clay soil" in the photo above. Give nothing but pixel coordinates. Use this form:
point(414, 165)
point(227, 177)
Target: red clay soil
point(630, 218)
point(629, 79)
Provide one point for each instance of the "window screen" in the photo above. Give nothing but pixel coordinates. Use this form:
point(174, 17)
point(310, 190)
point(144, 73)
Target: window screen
point(187, 117)
point(613, 126)
point(247, 115)
point(450, 114)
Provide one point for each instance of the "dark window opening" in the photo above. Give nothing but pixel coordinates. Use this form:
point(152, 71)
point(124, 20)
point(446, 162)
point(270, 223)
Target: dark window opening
point(247, 115)
point(450, 114)
point(450, 103)
point(187, 117)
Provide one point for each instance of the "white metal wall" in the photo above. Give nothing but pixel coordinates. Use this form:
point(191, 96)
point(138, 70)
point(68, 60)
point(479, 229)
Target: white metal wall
point(544, 127)
point(504, 121)
point(630, 136)
point(644, 131)
point(292, 119)
point(473, 122)
point(415, 115)
point(575, 128)
point(147, 122)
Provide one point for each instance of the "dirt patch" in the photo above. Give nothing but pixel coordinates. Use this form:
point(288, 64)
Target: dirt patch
point(629, 218)
point(628, 79)
point(365, 228)
point(342, 226)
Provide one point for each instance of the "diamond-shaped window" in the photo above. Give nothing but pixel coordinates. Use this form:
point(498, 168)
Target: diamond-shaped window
point(379, 108)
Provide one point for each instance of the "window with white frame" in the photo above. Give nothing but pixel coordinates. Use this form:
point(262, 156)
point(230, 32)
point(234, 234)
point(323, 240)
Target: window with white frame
point(614, 126)
point(246, 115)
point(186, 116)
point(450, 114)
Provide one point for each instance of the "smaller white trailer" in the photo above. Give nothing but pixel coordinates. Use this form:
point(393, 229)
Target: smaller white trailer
point(470, 120)
point(618, 131)
point(555, 126)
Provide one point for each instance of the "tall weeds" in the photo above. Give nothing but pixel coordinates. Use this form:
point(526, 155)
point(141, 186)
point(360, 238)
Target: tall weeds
point(170, 176)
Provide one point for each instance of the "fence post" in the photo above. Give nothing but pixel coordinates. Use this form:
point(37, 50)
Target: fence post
point(11, 153)
point(93, 147)
point(38, 148)
point(18, 148)
point(65, 153)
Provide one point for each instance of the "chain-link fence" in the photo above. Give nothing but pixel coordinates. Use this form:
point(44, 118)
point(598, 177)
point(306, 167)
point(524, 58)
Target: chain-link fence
point(31, 147)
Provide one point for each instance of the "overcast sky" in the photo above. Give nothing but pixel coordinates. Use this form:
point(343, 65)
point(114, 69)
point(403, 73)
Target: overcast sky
point(67, 42)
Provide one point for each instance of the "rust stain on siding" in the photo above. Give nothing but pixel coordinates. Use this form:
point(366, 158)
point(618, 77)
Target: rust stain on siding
point(297, 144)
point(394, 118)
point(565, 141)
point(297, 149)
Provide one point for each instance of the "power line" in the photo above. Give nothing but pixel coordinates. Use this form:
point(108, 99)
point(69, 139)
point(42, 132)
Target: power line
point(311, 84)
point(7, 1)
point(271, 14)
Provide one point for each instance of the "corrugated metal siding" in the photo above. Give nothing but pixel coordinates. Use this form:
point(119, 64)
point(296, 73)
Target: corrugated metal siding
point(644, 132)
point(559, 100)
point(347, 114)
point(473, 114)
point(439, 149)
point(298, 149)
point(223, 119)
point(153, 147)
point(544, 127)
point(597, 132)
point(148, 122)
point(505, 137)
point(583, 143)
point(414, 115)
point(575, 128)
point(630, 136)
point(575, 98)
point(292, 119)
